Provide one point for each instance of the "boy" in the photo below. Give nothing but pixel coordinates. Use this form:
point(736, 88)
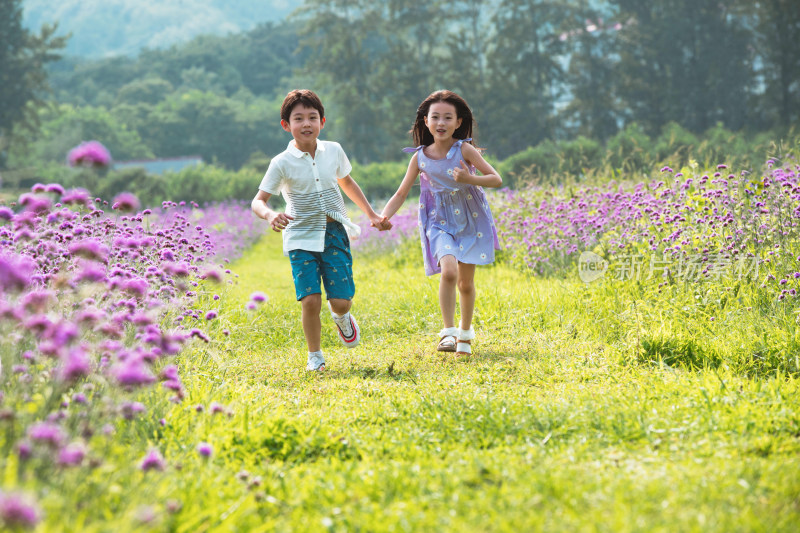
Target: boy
point(308, 174)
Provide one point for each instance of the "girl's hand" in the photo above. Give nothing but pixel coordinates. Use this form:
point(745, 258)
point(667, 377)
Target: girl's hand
point(381, 222)
point(279, 221)
point(462, 173)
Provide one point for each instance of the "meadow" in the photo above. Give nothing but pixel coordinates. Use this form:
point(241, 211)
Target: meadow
point(658, 399)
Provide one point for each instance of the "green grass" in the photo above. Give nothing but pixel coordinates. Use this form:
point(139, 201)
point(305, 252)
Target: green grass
point(581, 411)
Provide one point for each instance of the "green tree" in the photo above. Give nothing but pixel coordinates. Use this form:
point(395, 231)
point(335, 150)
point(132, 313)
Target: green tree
point(592, 108)
point(66, 126)
point(525, 71)
point(214, 127)
point(776, 34)
point(23, 79)
point(695, 70)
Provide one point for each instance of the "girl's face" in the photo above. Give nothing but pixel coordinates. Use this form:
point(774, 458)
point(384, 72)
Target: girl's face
point(442, 120)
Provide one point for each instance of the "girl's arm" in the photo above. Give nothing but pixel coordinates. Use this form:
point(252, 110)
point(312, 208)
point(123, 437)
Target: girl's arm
point(354, 192)
point(490, 177)
point(402, 192)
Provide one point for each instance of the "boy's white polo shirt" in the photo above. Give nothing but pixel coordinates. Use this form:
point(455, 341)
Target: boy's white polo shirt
point(311, 190)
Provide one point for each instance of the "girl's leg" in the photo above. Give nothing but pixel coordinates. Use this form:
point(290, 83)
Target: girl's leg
point(312, 327)
point(466, 290)
point(447, 289)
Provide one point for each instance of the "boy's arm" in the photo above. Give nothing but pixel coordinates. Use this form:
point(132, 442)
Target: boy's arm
point(405, 187)
point(490, 177)
point(354, 192)
point(260, 207)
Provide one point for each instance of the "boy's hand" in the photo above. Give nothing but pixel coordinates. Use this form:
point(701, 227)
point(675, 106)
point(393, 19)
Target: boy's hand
point(380, 222)
point(461, 173)
point(279, 221)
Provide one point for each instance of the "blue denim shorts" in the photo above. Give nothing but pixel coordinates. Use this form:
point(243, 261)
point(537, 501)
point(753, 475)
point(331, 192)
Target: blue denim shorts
point(334, 265)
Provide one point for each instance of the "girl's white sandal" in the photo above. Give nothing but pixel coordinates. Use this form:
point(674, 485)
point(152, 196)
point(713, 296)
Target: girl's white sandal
point(447, 340)
point(464, 343)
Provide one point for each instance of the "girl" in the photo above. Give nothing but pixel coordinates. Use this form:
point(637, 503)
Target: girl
point(455, 224)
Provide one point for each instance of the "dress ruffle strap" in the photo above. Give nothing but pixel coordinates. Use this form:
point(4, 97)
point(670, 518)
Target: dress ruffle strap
point(411, 149)
point(456, 146)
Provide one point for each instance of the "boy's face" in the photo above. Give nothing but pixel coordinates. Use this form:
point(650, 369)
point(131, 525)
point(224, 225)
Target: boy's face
point(304, 124)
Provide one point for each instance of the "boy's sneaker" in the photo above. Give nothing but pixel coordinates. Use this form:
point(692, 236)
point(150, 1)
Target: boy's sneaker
point(349, 332)
point(315, 362)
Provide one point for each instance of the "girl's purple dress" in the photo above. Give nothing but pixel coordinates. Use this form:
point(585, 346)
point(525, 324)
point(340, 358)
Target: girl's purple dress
point(454, 218)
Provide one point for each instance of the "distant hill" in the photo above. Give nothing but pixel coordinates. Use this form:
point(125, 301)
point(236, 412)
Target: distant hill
point(102, 28)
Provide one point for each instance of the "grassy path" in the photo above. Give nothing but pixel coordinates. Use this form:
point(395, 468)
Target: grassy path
point(547, 428)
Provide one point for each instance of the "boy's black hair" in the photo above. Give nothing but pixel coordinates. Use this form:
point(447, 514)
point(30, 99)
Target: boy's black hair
point(301, 96)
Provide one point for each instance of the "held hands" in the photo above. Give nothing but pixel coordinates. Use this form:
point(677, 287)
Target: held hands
point(278, 221)
point(461, 174)
point(380, 222)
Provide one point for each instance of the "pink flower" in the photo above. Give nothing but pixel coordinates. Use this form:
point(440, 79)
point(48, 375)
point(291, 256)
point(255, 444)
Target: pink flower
point(205, 449)
point(46, 433)
point(15, 272)
point(259, 297)
point(89, 154)
point(76, 365)
point(18, 511)
point(152, 461)
point(72, 454)
point(91, 249)
point(126, 202)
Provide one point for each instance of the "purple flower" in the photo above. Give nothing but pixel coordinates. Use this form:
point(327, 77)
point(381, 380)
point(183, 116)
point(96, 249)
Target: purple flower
point(37, 301)
point(15, 272)
point(169, 372)
point(136, 286)
point(34, 203)
point(133, 372)
point(18, 511)
point(205, 449)
point(89, 154)
point(46, 433)
point(90, 272)
point(212, 274)
point(6, 213)
point(199, 334)
point(76, 365)
point(126, 202)
point(129, 410)
point(211, 315)
point(79, 397)
point(77, 197)
point(72, 454)
point(152, 461)
point(91, 249)
point(259, 297)
point(55, 188)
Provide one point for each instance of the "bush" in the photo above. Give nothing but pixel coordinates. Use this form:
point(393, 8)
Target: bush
point(675, 145)
point(379, 181)
point(531, 165)
point(630, 150)
point(580, 155)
